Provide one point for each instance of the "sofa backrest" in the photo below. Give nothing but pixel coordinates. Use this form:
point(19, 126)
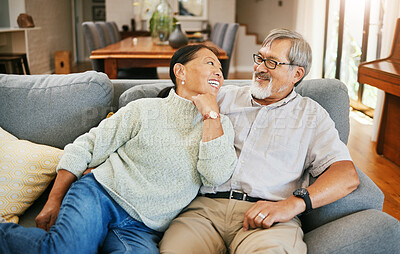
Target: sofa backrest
point(53, 109)
point(329, 93)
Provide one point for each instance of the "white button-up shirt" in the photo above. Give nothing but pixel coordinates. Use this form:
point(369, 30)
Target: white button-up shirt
point(278, 144)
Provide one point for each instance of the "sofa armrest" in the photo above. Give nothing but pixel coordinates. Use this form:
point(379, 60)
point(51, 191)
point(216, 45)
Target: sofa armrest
point(366, 196)
point(369, 231)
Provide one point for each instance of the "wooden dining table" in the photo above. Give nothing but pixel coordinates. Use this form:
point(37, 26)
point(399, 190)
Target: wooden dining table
point(139, 52)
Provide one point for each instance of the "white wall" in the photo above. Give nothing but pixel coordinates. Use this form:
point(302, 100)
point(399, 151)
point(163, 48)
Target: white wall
point(16, 7)
point(221, 11)
point(55, 20)
point(265, 15)
point(120, 11)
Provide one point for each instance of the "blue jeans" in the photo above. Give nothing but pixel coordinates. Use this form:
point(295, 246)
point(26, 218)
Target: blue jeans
point(89, 222)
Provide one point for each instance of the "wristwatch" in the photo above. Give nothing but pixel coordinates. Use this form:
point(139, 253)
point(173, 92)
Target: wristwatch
point(303, 193)
point(211, 115)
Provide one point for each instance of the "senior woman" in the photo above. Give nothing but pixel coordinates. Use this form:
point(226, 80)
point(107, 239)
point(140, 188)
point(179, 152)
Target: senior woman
point(150, 159)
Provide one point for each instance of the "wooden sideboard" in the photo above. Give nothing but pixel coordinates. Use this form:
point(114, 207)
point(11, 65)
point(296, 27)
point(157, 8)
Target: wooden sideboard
point(385, 75)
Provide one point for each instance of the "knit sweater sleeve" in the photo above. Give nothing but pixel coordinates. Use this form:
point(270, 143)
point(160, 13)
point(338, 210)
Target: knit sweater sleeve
point(93, 148)
point(217, 158)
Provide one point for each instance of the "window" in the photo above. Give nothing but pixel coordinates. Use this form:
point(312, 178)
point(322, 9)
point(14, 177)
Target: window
point(353, 35)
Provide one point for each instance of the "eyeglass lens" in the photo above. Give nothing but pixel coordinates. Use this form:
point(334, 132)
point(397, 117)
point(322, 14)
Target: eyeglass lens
point(270, 64)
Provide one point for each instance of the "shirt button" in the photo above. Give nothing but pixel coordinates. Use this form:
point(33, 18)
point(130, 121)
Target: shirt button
point(242, 161)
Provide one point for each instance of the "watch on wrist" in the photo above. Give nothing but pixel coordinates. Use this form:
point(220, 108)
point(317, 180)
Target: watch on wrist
point(211, 115)
point(303, 193)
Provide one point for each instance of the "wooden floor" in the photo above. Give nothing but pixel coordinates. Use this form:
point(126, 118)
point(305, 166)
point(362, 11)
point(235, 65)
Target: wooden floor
point(383, 172)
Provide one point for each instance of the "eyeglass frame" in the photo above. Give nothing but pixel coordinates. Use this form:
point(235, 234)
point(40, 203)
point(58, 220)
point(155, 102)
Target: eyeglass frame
point(275, 62)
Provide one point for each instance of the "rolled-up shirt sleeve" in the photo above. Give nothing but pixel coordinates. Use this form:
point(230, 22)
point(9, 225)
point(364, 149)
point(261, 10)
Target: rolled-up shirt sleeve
point(325, 146)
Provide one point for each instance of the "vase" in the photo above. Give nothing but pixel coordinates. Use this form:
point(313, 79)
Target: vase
point(161, 23)
point(178, 38)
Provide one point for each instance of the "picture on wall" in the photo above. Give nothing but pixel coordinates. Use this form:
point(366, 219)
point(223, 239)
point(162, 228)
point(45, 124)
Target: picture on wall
point(99, 13)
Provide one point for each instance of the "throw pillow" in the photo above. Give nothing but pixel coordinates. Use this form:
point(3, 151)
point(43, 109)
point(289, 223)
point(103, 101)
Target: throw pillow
point(26, 169)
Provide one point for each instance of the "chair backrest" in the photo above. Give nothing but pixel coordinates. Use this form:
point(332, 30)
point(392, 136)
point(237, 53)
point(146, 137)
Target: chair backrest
point(113, 31)
point(228, 44)
point(116, 31)
point(104, 33)
point(230, 38)
point(92, 35)
point(93, 42)
point(218, 33)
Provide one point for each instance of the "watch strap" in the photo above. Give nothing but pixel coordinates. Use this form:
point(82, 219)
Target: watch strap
point(307, 200)
point(211, 115)
point(303, 193)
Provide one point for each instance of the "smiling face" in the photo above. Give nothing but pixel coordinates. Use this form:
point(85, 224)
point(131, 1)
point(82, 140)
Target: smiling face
point(201, 75)
point(270, 86)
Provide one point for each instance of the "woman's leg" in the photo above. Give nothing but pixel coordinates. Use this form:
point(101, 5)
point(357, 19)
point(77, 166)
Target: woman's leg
point(131, 236)
point(80, 227)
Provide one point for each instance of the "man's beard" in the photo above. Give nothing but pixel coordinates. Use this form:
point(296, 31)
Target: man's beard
point(259, 92)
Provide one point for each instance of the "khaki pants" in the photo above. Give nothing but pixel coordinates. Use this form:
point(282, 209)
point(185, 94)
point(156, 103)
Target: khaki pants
point(209, 226)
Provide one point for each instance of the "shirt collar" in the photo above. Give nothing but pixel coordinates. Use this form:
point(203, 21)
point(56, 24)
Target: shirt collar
point(280, 103)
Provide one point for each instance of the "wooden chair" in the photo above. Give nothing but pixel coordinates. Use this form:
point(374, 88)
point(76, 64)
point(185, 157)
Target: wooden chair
point(17, 61)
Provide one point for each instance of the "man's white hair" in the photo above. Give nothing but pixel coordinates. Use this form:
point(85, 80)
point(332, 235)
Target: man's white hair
point(300, 52)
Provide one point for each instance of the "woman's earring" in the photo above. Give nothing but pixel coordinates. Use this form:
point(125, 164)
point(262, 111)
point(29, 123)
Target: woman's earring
point(183, 82)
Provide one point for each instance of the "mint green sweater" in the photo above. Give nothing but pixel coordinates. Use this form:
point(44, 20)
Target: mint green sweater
point(150, 157)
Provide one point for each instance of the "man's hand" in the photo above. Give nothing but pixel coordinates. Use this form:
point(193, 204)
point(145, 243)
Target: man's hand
point(264, 214)
point(336, 182)
point(48, 216)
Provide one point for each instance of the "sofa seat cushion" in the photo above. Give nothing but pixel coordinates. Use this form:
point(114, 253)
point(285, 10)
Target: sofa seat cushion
point(53, 109)
point(26, 169)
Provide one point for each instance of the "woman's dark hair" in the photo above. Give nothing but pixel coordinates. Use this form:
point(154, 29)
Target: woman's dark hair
point(182, 56)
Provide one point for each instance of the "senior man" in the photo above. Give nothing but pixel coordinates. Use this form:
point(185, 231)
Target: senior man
point(278, 135)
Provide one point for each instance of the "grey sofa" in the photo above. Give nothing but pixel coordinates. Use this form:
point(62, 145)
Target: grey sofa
point(55, 109)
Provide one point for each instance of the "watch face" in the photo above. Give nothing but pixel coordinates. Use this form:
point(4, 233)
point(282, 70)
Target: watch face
point(300, 192)
point(213, 114)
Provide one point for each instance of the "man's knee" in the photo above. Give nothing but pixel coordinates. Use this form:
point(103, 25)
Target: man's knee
point(185, 237)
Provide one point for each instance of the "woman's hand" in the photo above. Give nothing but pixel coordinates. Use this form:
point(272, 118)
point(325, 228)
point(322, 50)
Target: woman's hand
point(205, 103)
point(48, 216)
point(87, 171)
point(212, 128)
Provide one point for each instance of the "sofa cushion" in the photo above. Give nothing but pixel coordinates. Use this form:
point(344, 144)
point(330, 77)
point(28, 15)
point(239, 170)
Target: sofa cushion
point(53, 109)
point(26, 169)
point(142, 91)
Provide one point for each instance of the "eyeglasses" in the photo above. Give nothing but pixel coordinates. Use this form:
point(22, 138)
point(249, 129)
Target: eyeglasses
point(269, 63)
